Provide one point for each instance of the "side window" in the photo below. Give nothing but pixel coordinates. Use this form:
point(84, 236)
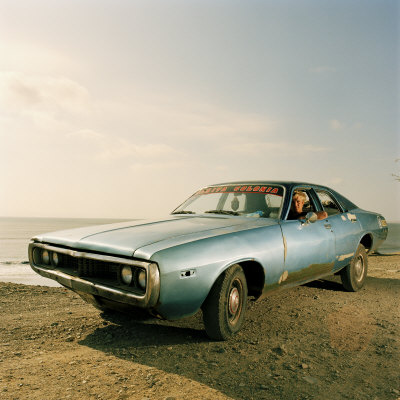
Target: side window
point(304, 204)
point(328, 203)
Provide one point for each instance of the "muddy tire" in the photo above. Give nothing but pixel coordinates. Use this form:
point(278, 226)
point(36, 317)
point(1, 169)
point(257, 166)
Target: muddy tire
point(355, 274)
point(225, 306)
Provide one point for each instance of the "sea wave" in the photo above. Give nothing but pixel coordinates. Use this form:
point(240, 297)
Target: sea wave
point(14, 262)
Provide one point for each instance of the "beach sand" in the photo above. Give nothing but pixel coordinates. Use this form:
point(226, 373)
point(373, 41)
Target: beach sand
point(311, 342)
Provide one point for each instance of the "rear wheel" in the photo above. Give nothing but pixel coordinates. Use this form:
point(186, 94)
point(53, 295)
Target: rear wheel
point(225, 306)
point(355, 274)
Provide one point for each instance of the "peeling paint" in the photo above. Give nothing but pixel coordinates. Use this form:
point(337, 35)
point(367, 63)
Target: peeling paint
point(310, 273)
point(343, 217)
point(283, 277)
point(351, 217)
point(344, 256)
point(285, 248)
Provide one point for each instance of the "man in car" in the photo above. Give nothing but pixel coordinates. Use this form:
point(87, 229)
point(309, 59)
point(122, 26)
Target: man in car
point(296, 209)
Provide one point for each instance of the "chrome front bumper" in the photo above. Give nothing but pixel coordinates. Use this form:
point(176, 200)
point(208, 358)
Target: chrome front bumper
point(78, 284)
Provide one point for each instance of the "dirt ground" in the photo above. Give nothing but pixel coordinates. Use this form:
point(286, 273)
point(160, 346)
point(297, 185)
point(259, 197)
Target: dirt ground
point(312, 342)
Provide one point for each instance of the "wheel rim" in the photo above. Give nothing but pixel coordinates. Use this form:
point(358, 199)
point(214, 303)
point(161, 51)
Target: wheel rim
point(359, 268)
point(235, 301)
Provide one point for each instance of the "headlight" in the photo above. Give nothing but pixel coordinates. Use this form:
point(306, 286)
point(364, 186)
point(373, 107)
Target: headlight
point(126, 275)
point(142, 279)
point(37, 256)
point(55, 258)
point(45, 257)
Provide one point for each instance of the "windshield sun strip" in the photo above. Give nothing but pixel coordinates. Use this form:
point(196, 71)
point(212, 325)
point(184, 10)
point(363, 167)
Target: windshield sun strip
point(280, 191)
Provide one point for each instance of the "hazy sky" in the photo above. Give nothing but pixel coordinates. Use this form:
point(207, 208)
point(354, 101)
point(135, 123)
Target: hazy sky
point(124, 108)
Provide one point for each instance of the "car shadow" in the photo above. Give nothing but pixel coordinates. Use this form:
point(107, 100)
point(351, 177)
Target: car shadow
point(142, 330)
point(332, 284)
point(271, 347)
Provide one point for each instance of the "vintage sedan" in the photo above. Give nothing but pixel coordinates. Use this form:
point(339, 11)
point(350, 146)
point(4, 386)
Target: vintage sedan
point(228, 242)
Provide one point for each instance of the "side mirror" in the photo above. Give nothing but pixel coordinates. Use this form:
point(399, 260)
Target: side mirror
point(311, 217)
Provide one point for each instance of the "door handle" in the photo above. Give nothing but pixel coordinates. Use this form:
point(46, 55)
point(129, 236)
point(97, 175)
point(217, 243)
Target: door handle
point(328, 226)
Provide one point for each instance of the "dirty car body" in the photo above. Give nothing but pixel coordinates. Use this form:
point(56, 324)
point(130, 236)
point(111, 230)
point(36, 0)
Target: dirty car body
point(226, 243)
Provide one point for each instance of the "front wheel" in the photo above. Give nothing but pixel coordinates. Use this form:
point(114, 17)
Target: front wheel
point(225, 305)
point(355, 274)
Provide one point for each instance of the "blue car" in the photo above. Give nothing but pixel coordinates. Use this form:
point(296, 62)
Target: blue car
point(228, 242)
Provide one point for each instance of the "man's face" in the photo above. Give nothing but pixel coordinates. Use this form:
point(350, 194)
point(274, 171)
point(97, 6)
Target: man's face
point(297, 204)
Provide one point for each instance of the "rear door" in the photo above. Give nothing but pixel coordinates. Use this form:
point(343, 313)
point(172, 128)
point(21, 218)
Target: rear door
point(344, 225)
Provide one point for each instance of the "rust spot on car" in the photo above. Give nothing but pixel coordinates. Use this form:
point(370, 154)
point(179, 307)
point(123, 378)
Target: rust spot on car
point(284, 248)
point(283, 277)
point(307, 274)
point(351, 217)
point(310, 273)
point(344, 256)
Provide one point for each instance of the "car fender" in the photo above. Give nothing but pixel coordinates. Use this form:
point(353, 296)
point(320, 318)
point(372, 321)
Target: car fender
point(188, 271)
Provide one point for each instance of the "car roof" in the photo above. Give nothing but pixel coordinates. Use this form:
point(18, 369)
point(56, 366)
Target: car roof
point(258, 182)
point(346, 203)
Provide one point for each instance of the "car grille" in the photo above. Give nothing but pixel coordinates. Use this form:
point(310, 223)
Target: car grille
point(92, 267)
point(88, 268)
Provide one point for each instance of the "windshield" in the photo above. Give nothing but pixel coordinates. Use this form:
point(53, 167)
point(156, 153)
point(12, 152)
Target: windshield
point(241, 200)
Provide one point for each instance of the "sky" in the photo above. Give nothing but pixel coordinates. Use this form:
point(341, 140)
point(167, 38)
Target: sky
point(124, 108)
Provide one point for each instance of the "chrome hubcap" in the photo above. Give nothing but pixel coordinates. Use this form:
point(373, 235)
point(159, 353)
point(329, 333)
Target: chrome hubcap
point(234, 301)
point(359, 268)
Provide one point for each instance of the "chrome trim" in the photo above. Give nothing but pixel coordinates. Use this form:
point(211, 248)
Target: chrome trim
point(91, 256)
point(147, 300)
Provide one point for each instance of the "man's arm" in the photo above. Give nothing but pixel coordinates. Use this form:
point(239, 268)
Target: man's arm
point(322, 214)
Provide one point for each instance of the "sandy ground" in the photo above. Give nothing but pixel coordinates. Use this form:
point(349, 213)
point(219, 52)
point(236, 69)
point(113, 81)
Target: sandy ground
point(311, 342)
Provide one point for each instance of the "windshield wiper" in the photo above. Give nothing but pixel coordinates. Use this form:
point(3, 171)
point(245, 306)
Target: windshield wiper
point(226, 212)
point(184, 212)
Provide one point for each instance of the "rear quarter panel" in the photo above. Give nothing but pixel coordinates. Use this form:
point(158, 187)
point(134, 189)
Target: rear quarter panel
point(370, 226)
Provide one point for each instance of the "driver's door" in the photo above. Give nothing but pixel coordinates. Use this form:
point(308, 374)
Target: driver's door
point(309, 247)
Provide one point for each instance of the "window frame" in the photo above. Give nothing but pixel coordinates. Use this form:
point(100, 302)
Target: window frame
point(311, 195)
point(332, 196)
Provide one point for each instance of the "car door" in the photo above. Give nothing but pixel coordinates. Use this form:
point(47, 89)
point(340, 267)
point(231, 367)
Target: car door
point(309, 247)
point(344, 225)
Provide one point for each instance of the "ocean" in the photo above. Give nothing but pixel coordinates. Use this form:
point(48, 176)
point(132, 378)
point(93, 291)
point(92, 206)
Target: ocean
point(15, 234)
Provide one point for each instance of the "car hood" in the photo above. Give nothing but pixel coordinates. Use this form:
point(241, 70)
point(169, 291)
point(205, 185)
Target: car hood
point(127, 238)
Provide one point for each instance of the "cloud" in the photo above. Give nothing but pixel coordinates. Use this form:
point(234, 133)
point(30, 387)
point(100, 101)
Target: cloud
point(184, 118)
point(27, 55)
point(149, 128)
point(48, 103)
point(336, 125)
point(21, 91)
point(107, 148)
point(59, 104)
point(153, 125)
